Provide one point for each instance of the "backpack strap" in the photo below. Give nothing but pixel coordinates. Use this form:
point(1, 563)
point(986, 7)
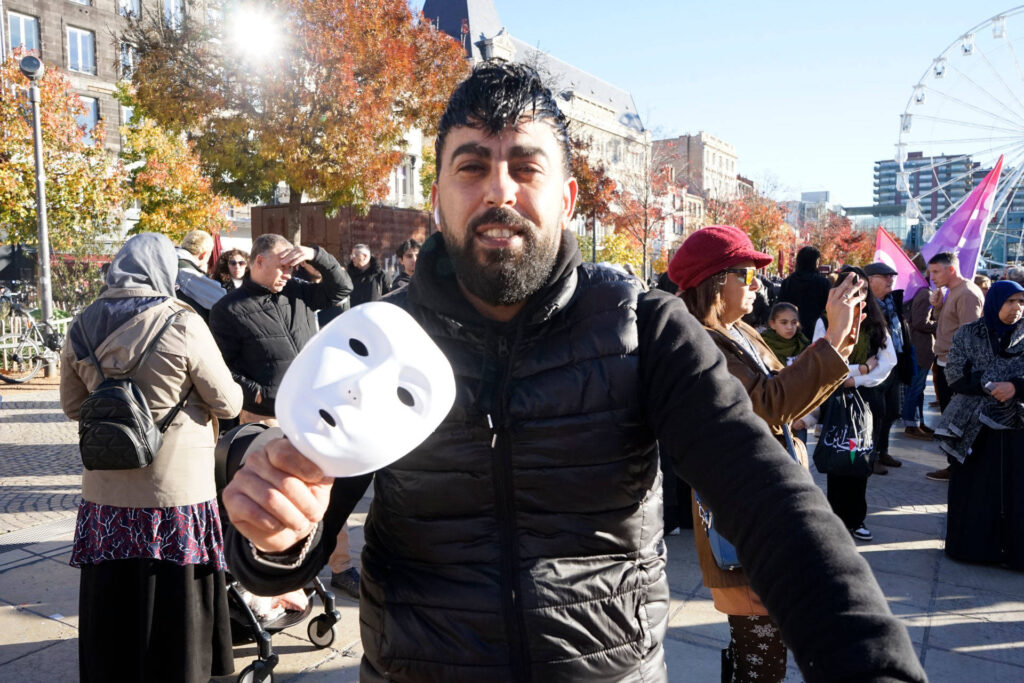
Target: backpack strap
point(152, 344)
point(166, 422)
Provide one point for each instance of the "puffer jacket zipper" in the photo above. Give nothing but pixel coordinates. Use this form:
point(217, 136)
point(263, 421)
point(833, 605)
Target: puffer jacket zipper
point(504, 491)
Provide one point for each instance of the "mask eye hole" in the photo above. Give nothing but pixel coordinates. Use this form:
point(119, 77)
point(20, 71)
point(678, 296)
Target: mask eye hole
point(358, 347)
point(406, 397)
point(328, 418)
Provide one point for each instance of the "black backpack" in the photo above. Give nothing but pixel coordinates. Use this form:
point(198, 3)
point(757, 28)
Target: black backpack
point(116, 430)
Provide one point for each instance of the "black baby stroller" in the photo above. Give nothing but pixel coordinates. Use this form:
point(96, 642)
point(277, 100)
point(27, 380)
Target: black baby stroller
point(246, 627)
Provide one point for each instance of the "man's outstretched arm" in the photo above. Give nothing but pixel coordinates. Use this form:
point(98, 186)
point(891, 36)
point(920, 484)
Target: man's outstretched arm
point(798, 556)
point(291, 513)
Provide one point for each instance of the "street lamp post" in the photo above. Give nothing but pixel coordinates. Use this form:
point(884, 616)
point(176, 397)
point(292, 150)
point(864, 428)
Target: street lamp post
point(33, 69)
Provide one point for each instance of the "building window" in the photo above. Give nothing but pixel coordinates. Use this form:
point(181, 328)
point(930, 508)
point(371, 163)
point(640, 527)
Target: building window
point(81, 51)
point(80, 2)
point(174, 13)
point(126, 115)
point(24, 31)
point(130, 8)
point(129, 57)
point(90, 118)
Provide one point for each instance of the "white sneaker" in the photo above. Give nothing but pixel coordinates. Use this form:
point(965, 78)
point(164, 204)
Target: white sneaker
point(862, 533)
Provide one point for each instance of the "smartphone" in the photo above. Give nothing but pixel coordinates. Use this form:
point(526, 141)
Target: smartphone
point(989, 386)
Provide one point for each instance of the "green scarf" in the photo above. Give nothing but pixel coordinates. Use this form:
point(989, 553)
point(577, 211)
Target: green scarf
point(785, 348)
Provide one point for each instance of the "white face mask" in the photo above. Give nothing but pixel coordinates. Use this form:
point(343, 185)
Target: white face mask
point(366, 390)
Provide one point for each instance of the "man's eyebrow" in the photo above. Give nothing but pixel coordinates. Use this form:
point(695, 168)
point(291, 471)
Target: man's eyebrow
point(524, 151)
point(473, 149)
point(517, 152)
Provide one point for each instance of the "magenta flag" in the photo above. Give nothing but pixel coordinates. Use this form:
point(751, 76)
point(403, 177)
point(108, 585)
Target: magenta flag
point(889, 252)
point(962, 233)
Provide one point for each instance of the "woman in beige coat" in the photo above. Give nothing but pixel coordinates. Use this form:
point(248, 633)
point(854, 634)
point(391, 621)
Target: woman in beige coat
point(152, 595)
point(715, 270)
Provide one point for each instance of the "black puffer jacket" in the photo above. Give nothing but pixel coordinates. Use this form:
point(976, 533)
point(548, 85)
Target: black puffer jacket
point(260, 332)
point(370, 284)
point(522, 541)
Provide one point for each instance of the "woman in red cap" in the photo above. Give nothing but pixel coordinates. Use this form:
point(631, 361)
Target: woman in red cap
point(715, 269)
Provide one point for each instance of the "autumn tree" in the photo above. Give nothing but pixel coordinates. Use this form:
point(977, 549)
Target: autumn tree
point(84, 190)
point(761, 218)
point(839, 242)
point(643, 202)
point(596, 190)
point(618, 247)
point(325, 114)
point(165, 178)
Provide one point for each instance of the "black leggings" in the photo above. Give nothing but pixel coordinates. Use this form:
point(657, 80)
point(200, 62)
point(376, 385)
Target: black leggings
point(756, 651)
point(847, 496)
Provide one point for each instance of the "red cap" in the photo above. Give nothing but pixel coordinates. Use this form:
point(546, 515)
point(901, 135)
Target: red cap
point(711, 250)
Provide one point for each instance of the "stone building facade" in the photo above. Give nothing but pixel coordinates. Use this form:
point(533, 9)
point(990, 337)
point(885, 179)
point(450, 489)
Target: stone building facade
point(705, 160)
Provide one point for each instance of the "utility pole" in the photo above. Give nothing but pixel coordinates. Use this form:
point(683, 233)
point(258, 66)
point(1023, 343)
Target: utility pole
point(33, 69)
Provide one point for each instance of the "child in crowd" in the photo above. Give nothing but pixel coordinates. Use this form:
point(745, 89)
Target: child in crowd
point(785, 338)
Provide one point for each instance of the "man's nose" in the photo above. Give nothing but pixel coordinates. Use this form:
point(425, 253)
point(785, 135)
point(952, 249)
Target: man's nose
point(501, 187)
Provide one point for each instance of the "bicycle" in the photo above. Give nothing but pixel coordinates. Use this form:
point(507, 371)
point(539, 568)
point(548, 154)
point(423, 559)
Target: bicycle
point(22, 353)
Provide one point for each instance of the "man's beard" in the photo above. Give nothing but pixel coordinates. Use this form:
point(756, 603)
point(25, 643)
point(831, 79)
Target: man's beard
point(506, 277)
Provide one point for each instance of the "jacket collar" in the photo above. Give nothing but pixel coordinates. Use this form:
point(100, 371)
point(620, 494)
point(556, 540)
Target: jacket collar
point(435, 286)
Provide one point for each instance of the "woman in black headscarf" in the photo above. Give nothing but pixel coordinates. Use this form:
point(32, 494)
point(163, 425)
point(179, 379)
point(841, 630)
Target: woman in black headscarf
point(148, 542)
point(982, 433)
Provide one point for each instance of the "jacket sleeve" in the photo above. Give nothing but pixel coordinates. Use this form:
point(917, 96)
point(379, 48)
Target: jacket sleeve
point(211, 377)
point(797, 388)
point(798, 556)
point(969, 308)
point(227, 335)
point(959, 371)
point(334, 286)
point(72, 389)
point(921, 316)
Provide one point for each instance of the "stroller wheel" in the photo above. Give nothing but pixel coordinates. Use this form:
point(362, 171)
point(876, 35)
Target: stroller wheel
point(257, 672)
point(321, 631)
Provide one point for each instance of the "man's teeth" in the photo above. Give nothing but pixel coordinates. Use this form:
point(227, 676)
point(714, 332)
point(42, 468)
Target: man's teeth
point(499, 233)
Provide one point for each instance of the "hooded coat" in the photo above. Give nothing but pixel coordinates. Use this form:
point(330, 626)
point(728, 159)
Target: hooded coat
point(522, 541)
point(807, 289)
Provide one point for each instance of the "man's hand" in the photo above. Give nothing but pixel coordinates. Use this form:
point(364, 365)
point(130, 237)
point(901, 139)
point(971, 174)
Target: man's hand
point(1003, 391)
point(849, 382)
point(935, 298)
point(277, 497)
point(292, 257)
point(844, 310)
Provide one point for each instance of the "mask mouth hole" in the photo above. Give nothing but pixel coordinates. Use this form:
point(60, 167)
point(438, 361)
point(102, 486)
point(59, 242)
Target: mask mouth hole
point(406, 397)
point(328, 418)
point(358, 347)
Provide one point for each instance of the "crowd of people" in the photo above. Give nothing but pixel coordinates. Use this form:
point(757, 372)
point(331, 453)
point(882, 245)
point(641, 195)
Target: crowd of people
point(524, 539)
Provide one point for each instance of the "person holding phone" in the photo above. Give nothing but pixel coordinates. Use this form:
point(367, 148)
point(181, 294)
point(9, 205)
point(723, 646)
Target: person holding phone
point(982, 433)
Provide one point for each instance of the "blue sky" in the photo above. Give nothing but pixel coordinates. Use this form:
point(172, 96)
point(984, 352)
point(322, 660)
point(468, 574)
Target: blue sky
point(810, 93)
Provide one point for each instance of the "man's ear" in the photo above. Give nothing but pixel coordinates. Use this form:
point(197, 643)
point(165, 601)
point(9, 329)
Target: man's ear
point(569, 193)
point(433, 202)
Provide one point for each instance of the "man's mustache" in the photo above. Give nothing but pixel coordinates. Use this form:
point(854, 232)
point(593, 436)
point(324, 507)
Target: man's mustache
point(500, 216)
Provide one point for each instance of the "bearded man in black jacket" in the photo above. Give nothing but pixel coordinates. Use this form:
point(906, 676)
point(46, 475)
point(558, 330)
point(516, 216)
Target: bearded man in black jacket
point(522, 541)
point(369, 281)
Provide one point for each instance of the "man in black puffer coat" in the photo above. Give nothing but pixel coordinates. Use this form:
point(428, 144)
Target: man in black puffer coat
point(369, 281)
point(261, 326)
point(522, 541)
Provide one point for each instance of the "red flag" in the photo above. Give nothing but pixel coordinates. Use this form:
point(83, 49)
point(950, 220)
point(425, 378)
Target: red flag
point(214, 255)
point(891, 254)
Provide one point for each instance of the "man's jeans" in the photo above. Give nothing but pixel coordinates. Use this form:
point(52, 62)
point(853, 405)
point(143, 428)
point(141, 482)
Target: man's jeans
point(913, 399)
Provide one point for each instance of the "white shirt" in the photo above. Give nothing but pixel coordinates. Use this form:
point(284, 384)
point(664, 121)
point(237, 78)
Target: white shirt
point(886, 361)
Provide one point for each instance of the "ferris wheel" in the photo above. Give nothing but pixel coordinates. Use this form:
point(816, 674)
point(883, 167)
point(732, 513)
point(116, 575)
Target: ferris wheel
point(966, 112)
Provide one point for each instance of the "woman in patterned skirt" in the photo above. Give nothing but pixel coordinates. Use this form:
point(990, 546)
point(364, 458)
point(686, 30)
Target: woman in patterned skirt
point(152, 595)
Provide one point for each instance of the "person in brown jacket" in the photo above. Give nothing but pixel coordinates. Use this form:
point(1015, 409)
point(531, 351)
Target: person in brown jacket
point(715, 270)
point(962, 304)
point(918, 314)
point(148, 541)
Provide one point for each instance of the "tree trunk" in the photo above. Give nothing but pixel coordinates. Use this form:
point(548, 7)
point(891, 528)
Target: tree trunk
point(294, 228)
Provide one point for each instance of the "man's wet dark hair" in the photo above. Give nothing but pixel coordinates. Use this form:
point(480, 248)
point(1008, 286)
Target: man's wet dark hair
point(406, 246)
point(498, 95)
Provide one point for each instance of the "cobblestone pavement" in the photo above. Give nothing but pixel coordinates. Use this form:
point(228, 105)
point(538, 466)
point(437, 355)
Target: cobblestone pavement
point(40, 473)
point(966, 621)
